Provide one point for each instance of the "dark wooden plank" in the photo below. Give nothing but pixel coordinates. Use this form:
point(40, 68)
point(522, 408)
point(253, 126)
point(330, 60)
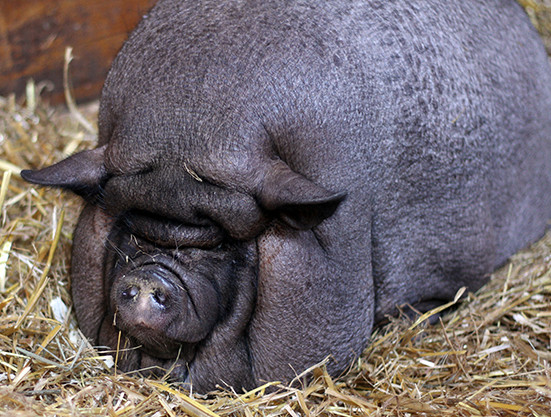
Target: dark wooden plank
point(35, 33)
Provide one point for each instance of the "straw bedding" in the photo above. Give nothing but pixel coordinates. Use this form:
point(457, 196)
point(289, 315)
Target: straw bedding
point(489, 356)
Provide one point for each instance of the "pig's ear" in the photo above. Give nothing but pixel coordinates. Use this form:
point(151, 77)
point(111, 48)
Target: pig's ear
point(296, 200)
point(83, 173)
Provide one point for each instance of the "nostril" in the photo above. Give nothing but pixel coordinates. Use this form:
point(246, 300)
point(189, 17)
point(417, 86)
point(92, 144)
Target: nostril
point(160, 297)
point(130, 292)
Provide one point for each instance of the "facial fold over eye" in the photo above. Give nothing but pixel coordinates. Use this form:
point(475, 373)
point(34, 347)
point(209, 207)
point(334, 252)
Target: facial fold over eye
point(171, 233)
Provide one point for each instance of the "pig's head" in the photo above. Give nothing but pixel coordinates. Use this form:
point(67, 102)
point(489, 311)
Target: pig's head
point(170, 261)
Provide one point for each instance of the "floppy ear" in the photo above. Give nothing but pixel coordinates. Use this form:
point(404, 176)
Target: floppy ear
point(82, 173)
point(296, 200)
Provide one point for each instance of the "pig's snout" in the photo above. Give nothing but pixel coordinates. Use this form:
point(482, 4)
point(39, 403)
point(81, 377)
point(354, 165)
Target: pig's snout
point(146, 303)
point(164, 307)
point(148, 298)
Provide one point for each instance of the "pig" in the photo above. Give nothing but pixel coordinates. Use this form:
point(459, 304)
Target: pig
point(273, 178)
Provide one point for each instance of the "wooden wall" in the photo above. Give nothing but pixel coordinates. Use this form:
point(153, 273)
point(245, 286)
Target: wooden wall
point(35, 33)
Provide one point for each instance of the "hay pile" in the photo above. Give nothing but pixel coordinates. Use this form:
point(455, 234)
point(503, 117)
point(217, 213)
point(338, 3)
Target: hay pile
point(489, 357)
point(540, 14)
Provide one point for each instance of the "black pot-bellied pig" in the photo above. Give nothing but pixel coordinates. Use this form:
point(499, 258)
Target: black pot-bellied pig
point(274, 177)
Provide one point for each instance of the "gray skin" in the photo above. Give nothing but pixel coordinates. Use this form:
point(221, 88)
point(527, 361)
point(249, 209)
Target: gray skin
point(273, 178)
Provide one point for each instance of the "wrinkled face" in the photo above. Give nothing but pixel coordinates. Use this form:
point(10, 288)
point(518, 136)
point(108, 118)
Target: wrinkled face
point(173, 260)
point(164, 294)
point(168, 262)
point(159, 305)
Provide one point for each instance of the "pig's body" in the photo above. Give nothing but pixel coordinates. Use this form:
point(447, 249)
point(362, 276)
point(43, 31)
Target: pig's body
point(246, 123)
